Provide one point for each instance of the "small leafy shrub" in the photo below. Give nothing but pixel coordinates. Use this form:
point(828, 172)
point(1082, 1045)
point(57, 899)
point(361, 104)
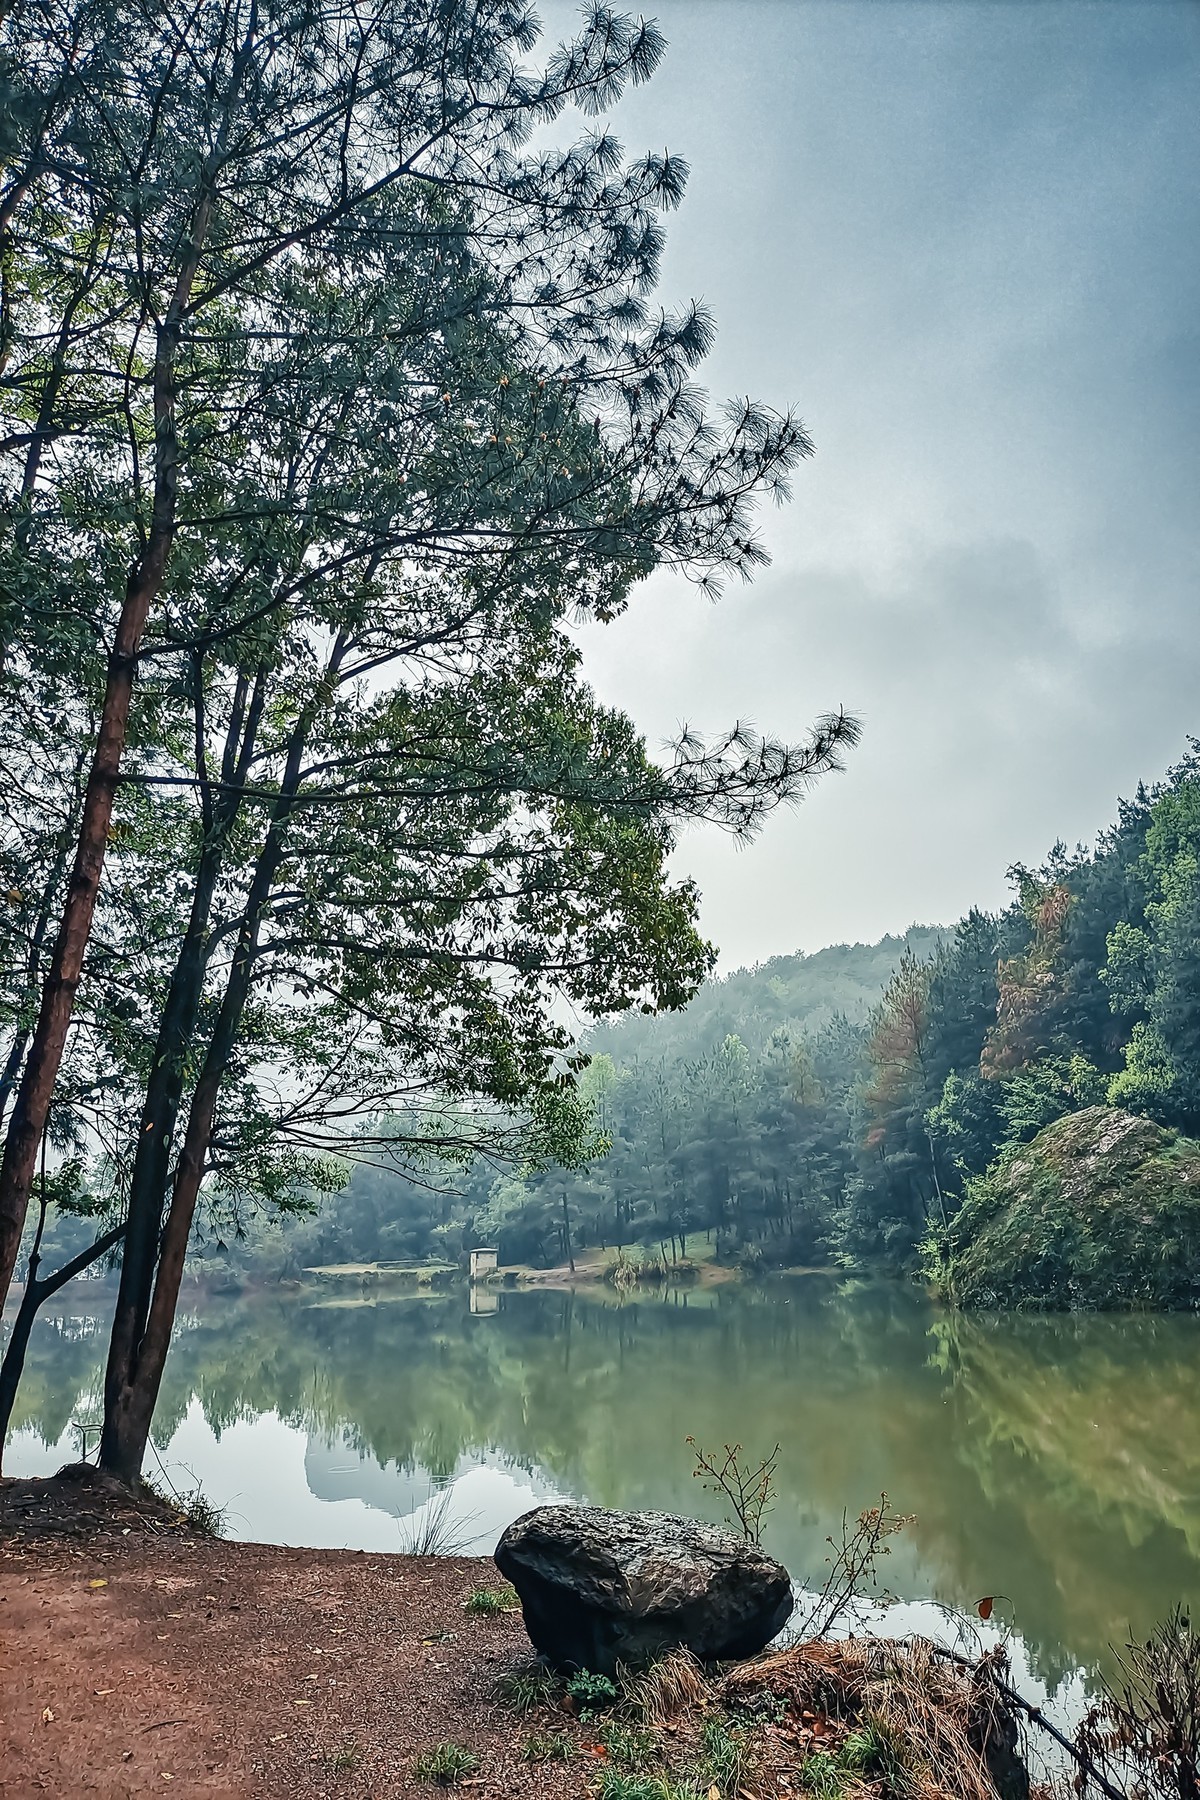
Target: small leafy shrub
point(853, 1566)
point(490, 1603)
point(547, 1746)
point(763, 1707)
point(527, 1688)
point(591, 1693)
point(194, 1508)
point(622, 1274)
point(445, 1764)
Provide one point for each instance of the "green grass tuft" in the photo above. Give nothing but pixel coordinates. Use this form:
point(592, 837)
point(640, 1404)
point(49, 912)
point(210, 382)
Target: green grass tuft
point(444, 1764)
point(547, 1746)
point(525, 1689)
point(624, 1784)
point(491, 1603)
point(628, 1747)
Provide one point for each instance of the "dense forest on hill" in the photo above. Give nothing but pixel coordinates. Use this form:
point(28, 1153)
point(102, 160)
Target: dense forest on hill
point(790, 993)
point(833, 1107)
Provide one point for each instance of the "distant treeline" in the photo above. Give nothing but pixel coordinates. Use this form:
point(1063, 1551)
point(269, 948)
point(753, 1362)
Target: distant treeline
point(830, 1107)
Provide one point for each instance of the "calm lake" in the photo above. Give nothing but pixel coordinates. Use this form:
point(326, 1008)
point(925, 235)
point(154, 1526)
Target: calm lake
point(1053, 1460)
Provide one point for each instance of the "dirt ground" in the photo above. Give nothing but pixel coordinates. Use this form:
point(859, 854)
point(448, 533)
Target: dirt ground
point(138, 1658)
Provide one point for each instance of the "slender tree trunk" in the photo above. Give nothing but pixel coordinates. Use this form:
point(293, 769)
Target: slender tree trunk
point(149, 1180)
point(141, 1334)
point(36, 1090)
point(37, 1291)
point(567, 1233)
point(16, 1054)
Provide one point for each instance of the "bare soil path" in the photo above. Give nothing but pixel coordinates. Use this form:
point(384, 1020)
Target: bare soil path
point(138, 1658)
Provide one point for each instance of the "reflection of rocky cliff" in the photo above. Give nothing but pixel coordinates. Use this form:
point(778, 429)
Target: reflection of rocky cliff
point(336, 1470)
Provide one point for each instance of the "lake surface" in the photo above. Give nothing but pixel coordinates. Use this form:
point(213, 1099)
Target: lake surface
point(1052, 1460)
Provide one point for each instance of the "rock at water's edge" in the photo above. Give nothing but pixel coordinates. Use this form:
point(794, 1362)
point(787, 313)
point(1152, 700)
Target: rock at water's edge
point(599, 1587)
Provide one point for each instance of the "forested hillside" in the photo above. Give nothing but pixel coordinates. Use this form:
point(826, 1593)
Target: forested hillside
point(833, 1107)
point(790, 992)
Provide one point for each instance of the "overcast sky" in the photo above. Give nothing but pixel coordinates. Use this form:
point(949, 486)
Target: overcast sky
point(962, 238)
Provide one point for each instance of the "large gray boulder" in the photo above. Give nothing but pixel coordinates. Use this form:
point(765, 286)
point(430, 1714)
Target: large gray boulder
point(598, 1588)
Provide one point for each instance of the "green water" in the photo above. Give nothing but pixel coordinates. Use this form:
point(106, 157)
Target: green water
point(1052, 1460)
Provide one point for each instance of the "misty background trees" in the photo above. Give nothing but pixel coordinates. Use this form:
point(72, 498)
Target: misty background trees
point(830, 1109)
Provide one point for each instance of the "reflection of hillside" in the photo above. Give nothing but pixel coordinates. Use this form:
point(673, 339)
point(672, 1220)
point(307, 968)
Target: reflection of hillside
point(1081, 1434)
point(1047, 1459)
point(1108, 1409)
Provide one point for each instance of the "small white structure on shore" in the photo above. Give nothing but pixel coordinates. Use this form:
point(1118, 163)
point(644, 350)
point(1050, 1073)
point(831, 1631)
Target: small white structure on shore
point(483, 1264)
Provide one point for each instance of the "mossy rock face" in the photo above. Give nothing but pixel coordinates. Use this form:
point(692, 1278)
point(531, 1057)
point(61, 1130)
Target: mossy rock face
point(1101, 1211)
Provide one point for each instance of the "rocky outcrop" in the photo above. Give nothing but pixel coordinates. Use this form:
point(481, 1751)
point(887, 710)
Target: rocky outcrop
point(598, 1588)
point(1100, 1211)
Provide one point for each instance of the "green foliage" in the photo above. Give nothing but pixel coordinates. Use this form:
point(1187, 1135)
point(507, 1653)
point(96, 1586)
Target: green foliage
point(445, 1764)
point(623, 1784)
point(591, 1693)
point(1034, 1097)
point(724, 1757)
point(718, 1765)
point(373, 393)
point(863, 1752)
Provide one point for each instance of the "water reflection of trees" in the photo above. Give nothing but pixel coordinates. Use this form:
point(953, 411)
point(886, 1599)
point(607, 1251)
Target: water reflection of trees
point(1051, 1459)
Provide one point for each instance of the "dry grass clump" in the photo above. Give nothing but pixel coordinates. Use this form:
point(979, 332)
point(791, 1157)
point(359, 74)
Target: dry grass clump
point(888, 1718)
point(667, 1688)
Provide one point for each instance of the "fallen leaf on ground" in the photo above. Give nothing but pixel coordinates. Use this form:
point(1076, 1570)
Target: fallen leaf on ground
point(101, 1582)
point(47, 1716)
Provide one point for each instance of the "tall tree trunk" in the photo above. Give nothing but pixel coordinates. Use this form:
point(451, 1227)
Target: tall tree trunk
point(137, 1358)
point(141, 1334)
point(149, 1180)
point(36, 1090)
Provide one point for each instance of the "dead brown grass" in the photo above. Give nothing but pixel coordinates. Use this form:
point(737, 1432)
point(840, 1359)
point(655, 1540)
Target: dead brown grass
point(948, 1730)
point(673, 1685)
